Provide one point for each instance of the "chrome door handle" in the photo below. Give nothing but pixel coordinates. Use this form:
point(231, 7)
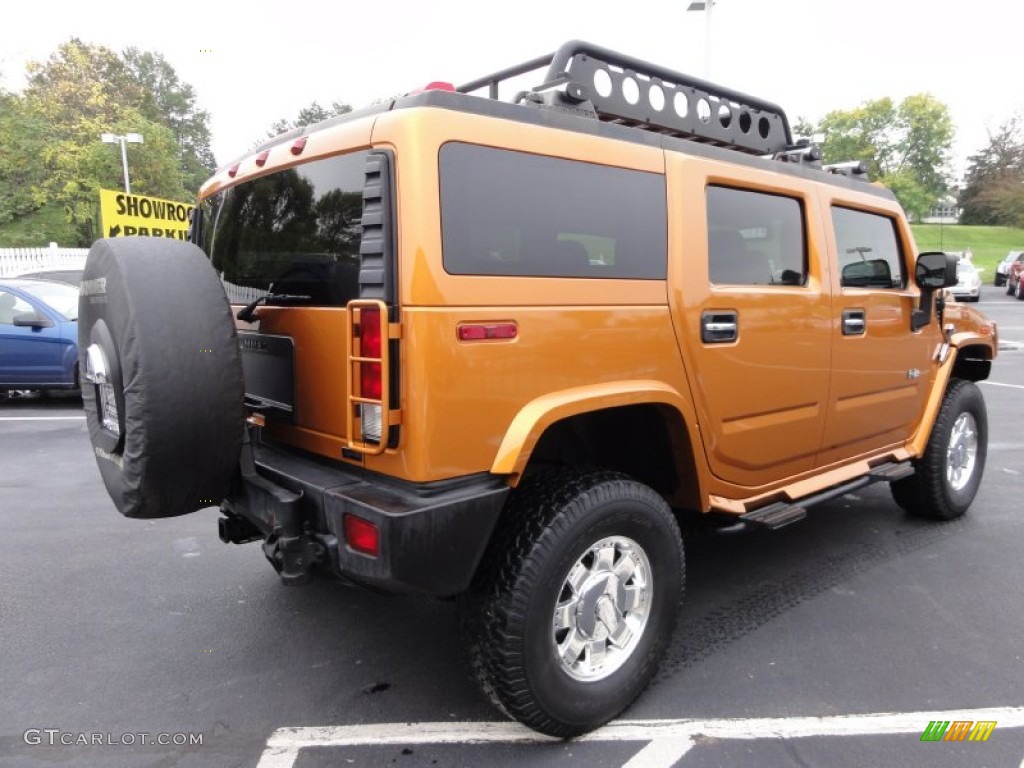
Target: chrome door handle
point(719, 327)
point(854, 323)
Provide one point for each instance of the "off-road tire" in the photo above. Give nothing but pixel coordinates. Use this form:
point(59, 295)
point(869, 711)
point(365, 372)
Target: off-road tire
point(157, 310)
point(929, 493)
point(552, 521)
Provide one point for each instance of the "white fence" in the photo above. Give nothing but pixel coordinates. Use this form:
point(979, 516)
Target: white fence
point(14, 261)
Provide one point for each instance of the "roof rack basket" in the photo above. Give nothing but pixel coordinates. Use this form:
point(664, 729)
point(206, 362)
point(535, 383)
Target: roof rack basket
point(633, 92)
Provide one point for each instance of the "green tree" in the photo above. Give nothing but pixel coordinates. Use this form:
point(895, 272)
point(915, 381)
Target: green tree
point(993, 191)
point(908, 146)
point(310, 115)
point(50, 153)
point(168, 101)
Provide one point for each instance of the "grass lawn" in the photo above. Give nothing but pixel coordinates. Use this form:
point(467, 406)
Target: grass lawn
point(988, 244)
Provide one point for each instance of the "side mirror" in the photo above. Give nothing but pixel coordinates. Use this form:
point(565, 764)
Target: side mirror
point(31, 320)
point(935, 270)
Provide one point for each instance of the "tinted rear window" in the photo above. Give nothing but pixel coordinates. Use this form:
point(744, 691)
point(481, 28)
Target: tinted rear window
point(513, 213)
point(295, 231)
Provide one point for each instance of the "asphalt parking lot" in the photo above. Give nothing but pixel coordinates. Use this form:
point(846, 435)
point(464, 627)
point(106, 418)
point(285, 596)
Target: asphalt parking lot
point(833, 642)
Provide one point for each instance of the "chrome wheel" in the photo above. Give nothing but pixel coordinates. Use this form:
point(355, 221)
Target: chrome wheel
point(961, 455)
point(602, 608)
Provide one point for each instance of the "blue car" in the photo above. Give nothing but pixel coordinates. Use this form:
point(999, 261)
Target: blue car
point(38, 335)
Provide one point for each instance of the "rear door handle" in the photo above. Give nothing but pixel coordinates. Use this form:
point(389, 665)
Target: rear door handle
point(854, 323)
point(719, 326)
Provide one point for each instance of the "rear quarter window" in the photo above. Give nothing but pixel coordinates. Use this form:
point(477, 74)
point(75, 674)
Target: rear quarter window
point(513, 213)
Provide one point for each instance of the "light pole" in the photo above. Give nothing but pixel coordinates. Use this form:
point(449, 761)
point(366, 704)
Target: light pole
point(706, 6)
point(124, 141)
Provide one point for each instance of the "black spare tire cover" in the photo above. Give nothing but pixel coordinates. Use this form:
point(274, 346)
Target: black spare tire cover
point(153, 316)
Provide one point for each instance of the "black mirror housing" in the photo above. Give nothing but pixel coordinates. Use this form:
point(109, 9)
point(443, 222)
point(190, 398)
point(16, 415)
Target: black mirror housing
point(31, 320)
point(935, 270)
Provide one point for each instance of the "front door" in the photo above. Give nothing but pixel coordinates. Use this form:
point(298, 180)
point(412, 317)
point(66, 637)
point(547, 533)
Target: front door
point(881, 369)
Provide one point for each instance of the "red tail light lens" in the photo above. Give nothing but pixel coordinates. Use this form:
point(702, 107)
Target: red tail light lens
point(361, 535)
point(370, 346)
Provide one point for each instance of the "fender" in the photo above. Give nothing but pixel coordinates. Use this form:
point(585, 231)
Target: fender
point(986, 338)
point(539, 414)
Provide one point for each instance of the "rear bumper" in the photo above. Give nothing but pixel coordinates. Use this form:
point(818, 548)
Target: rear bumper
point(432, 535)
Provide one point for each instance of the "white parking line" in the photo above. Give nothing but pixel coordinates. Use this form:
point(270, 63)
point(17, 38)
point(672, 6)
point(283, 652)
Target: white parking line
point(42, 418)
point(669, 740)
point(1000, 384)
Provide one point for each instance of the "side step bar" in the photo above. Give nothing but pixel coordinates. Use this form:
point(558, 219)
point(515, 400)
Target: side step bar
point(781, 513)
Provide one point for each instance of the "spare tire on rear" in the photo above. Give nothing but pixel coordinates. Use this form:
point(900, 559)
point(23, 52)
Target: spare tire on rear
point(161, 375)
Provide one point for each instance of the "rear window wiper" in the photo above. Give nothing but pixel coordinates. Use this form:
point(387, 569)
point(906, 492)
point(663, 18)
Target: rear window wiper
point(248, 312)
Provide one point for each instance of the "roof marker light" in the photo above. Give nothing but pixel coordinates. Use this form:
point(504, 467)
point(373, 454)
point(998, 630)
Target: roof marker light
point(299, 145)
point(233, 170)
point(435, 85)
point(261, 158)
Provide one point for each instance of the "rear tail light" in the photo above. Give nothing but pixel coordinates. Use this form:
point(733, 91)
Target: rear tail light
point(370, 379)
point(361, 535)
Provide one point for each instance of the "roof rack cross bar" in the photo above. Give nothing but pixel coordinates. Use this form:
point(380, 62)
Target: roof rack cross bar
point(630, 91)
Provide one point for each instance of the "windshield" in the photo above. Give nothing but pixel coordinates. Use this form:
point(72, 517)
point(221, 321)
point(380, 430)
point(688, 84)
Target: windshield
point(58, 296)
point(293, 232)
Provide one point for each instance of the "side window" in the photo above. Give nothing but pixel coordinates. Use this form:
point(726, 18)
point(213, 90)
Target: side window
point(755, 238)
point(868, 249)
point(513, 213)
point(11, 305)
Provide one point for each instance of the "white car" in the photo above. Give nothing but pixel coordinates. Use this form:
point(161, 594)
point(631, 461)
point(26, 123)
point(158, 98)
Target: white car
point(968, 286)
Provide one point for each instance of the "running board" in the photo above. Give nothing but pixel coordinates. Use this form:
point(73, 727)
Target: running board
point(781, 513)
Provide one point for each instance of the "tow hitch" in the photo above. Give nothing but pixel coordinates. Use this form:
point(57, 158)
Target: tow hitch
point(293, 557)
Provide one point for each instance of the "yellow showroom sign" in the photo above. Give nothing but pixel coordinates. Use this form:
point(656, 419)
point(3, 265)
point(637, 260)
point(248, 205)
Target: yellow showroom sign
point(123, 214)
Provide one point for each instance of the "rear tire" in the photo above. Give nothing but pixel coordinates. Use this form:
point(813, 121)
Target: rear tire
point(153, 315)
point(576, 599)
point(949, 473)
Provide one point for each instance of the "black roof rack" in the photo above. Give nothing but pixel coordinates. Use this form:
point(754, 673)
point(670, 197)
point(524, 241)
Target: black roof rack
point(618, 88)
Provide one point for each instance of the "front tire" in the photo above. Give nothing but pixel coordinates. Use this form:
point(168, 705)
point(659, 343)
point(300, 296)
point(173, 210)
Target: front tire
point(576, 599)
point(949, 473)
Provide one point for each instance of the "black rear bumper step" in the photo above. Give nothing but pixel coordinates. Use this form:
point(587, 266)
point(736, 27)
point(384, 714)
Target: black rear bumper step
point(780, 513)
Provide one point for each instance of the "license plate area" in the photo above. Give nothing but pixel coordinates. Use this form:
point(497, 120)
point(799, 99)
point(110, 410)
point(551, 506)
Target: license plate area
point(268, 365)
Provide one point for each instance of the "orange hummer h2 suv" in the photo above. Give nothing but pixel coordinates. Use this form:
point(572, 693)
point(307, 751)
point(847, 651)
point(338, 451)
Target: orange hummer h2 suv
point(508, 351)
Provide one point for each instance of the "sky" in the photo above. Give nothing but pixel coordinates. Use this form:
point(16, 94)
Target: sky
point(253, 63)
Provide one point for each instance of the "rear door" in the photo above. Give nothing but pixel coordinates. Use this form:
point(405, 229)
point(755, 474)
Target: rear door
point(752, 317)
point(290, 240)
